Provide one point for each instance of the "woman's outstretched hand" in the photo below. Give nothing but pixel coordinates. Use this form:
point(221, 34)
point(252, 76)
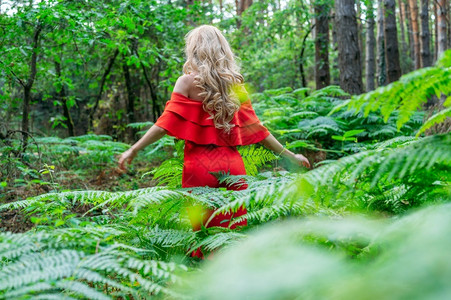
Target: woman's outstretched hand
point(300, 160)
point(273, 144)
point(128, 157)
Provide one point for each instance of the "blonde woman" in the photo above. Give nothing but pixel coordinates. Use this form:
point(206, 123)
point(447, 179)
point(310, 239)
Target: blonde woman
point(210, 109)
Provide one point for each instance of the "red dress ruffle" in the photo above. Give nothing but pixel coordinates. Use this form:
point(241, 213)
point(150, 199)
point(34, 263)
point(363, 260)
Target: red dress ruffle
point(186, 119)
point(209, 150)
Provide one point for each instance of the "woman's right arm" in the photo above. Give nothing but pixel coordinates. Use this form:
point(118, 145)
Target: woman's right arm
point(273, 144)
point(152, 135)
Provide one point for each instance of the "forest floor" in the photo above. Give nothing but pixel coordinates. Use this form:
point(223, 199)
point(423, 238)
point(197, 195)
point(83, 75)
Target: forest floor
point(109, 179)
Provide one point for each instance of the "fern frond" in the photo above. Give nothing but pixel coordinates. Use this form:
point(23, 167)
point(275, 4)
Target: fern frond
point(420, 155)
point(255, 157)
point(437, 118)
point(155, 197)
point(140, 125)
point(169, 237)
point(406, 95)
point(219, 240)
point(79, 288)
point(169, 173)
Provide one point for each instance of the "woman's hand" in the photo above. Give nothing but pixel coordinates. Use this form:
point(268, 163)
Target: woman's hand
point(300, 160)
point(127, 156)
point(271, 143)
point(152, 135)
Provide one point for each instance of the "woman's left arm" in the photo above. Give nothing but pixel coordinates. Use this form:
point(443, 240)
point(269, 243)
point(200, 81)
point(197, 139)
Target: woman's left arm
point(273, 144)
point(152, 135)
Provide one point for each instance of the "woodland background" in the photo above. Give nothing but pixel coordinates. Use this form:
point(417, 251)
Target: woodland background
point(361, 88)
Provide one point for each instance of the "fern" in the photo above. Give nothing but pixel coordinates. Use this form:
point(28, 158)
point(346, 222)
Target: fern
point(406, 95)
point(437, 118)
point(37, 270)
point(310, 258)
point(169, 173)
point(255, 157)
point(219, 240)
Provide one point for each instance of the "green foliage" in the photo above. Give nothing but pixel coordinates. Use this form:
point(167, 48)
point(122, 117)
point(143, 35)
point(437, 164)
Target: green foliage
point(170, 171)
point(310, 259)
point(393, 177)
point(408, 94)
point(255, 157)
point(437, 118)
point(80, 264)
point(300, 240)
point(314, 121)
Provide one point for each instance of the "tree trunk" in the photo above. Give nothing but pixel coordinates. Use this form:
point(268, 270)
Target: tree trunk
point(301, 57)
point(25, 113)
point(241, 6)
point(410, 31)
point(131, 96)
point(63, 97)
point(335, 76)
point(402, 20)
point(391, 41)
point(435, 7)
point(102, 84)
point(153, 94)
point(360, 36)
point(28, 85)
point(448, 23)
point(425, 44)
point(348, 47)
point(381, 72)
point(370, 45)
point(415, 32)
point(441, 30)
point(322, 73)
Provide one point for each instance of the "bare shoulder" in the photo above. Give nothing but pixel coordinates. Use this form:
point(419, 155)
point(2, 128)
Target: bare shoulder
point(183, 84)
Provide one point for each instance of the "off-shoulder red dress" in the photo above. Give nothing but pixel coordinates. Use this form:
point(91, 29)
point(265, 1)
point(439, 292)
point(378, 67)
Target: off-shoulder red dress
point(208, 149)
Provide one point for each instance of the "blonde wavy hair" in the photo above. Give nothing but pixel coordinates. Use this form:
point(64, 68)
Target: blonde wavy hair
point(217, 75)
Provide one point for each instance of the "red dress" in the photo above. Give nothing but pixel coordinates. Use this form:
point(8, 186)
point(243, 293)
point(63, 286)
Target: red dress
point(208, 149)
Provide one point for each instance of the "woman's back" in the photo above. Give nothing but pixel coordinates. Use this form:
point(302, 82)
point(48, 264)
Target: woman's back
point(185, 85)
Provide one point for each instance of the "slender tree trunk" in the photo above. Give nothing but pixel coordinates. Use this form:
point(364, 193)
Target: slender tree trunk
point(360, 35)
point(241, 6)
point(441, 24)
point(370, 45)
point(381, 71)
point(391, 41)
point(402, 18)
point(435, 5)
point(335, 76)
point(301, 57)
point(63, 97)
point(348, 47)
point(410, 31)
point(416, 33)
point(425, 44)
point(322, 73)
point(131, 95)
point(153, 94)
point(448, 23)
point(25, 113)
point(28, 85)
point(102, 84)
